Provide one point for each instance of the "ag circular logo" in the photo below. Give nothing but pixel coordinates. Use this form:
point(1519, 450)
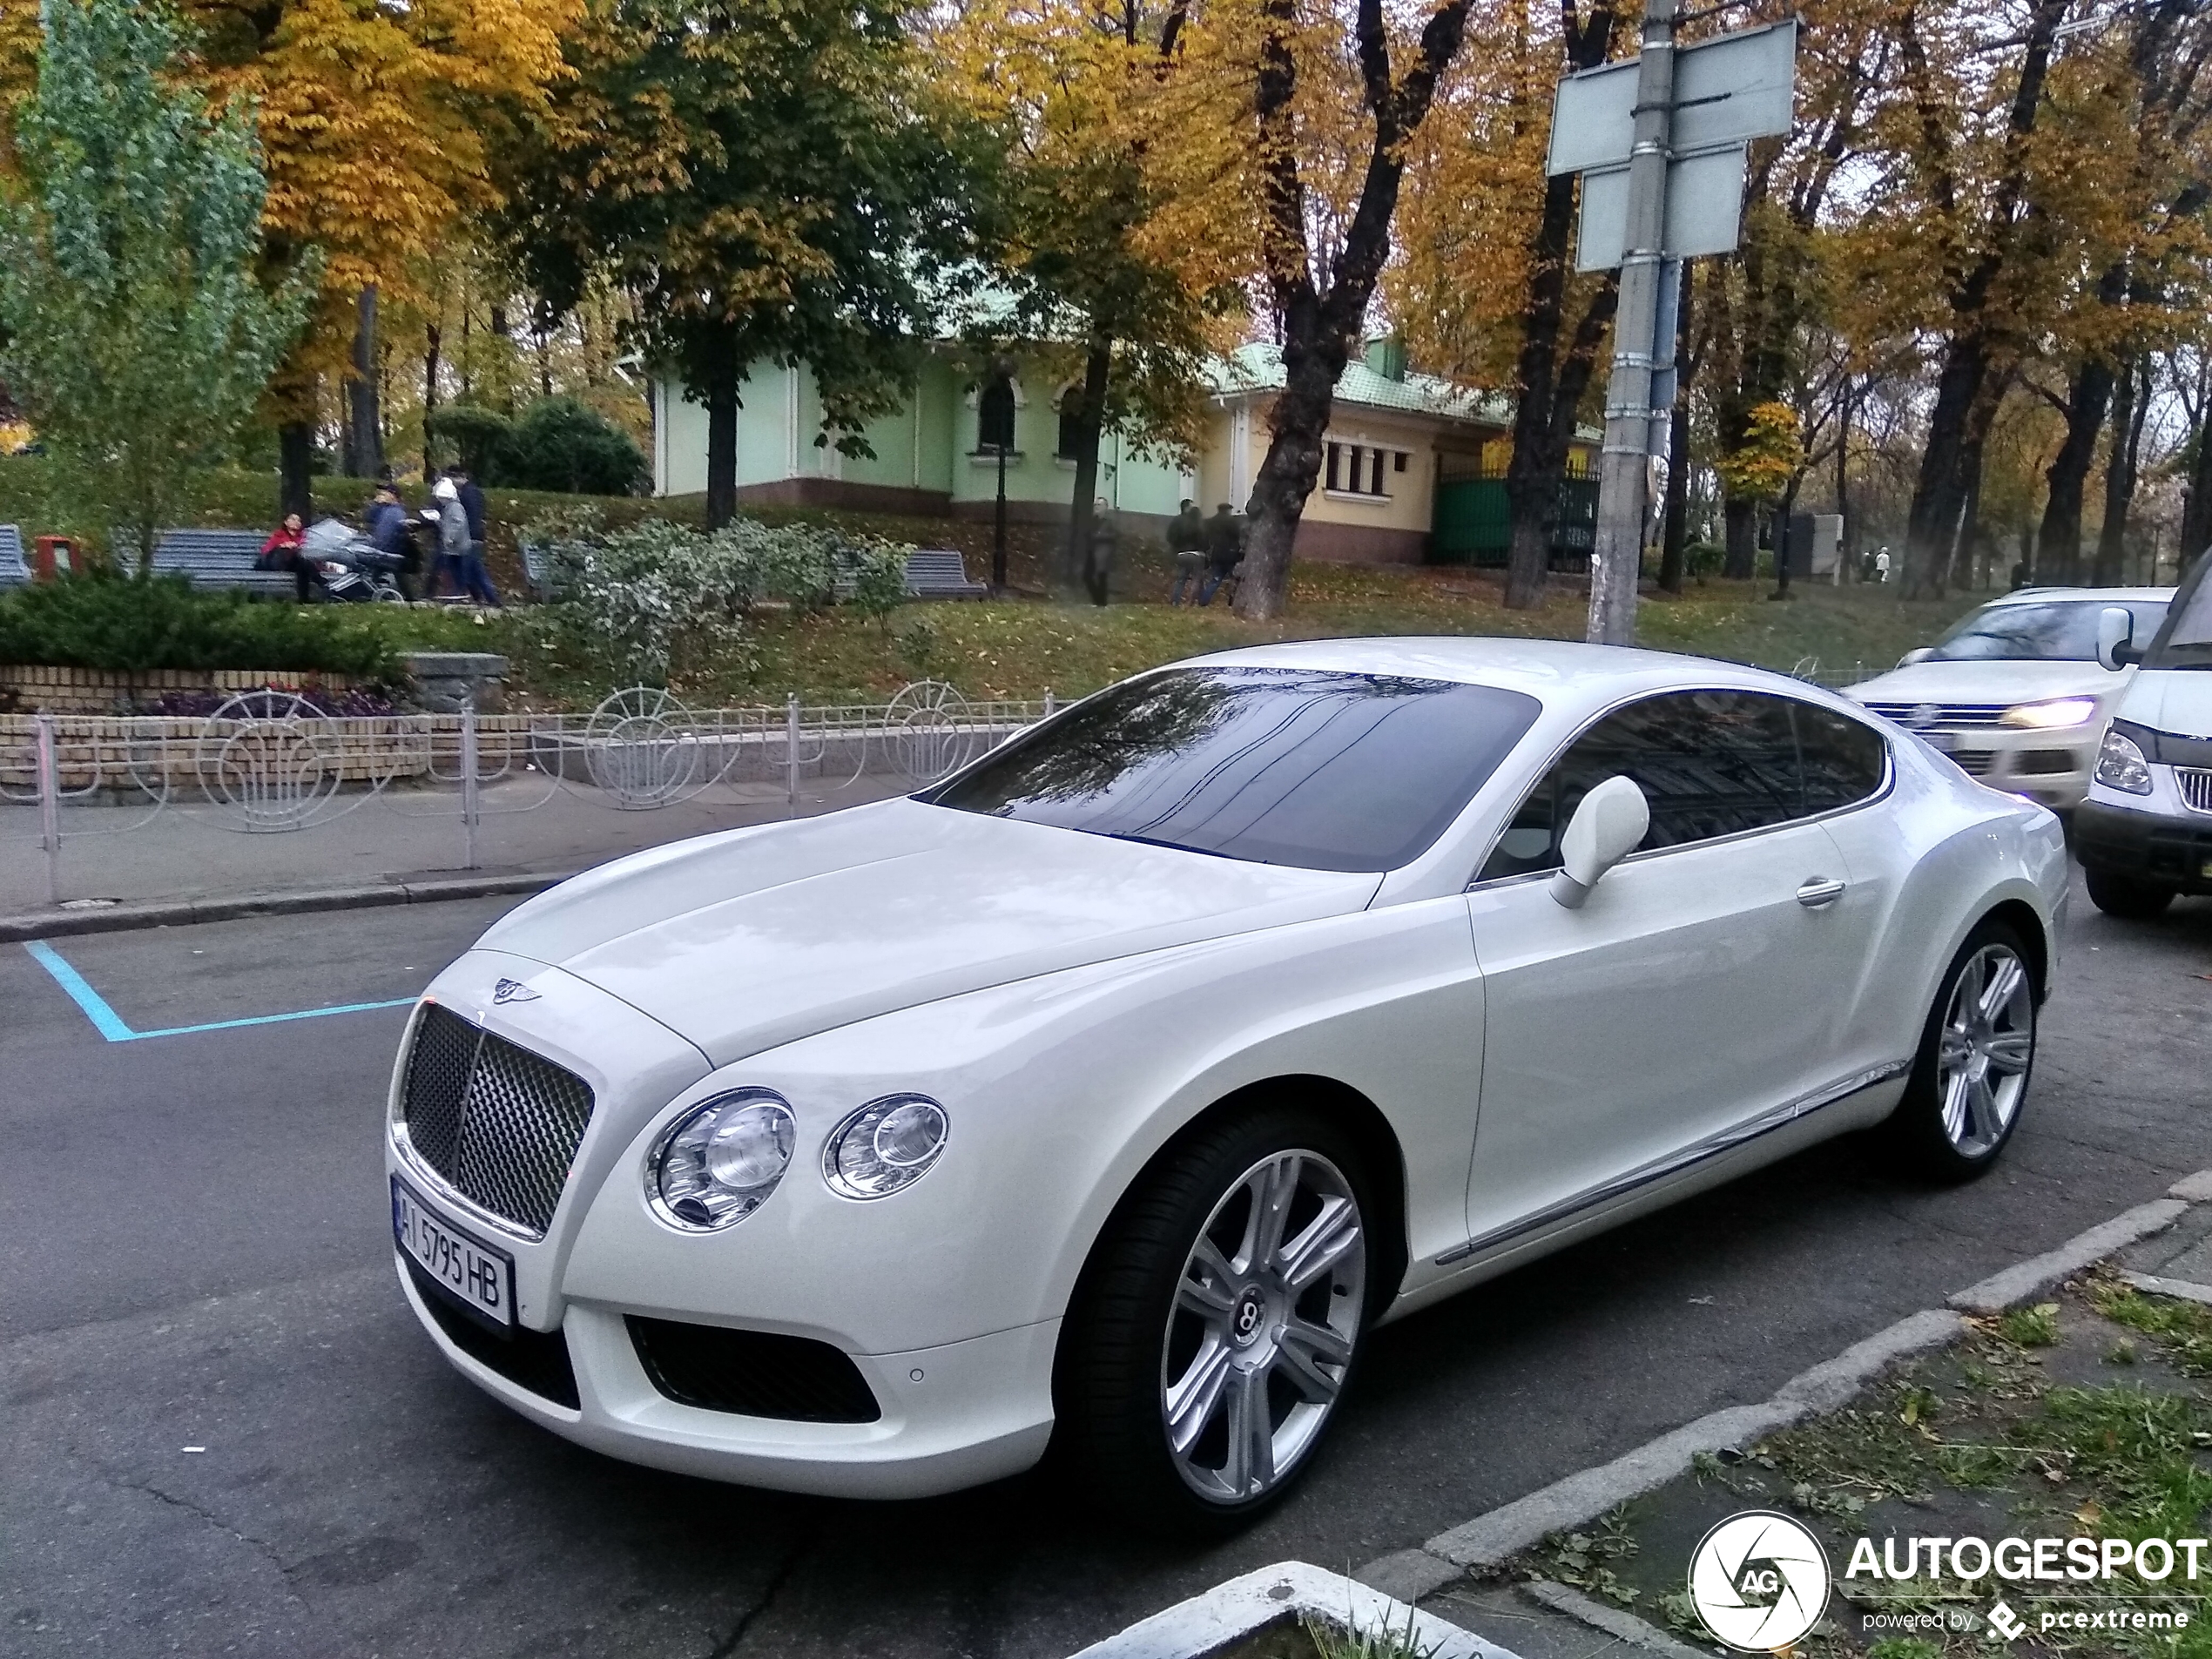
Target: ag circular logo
point(1759, 1580)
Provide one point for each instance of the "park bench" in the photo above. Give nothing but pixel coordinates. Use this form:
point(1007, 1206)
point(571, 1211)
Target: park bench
point(937, 573)
point(214, 559)
point(13, 572)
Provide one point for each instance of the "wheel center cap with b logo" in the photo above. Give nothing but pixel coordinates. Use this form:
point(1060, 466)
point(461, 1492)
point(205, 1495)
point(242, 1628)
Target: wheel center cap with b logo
point(1248, 1318)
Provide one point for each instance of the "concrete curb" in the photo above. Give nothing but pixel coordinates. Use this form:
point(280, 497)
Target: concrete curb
point(1502, 1532)
point(56, 924)
point(2180, 1289)
point(1614, 1621)
point(2017, 1282)
point(1228, 1613)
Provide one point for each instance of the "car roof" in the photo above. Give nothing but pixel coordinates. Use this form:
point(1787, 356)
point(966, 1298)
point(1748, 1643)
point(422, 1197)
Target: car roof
point(2039, 595)
point(1536, 666)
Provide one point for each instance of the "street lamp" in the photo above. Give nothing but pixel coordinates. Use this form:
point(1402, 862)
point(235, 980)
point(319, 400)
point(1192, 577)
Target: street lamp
point(995, 426)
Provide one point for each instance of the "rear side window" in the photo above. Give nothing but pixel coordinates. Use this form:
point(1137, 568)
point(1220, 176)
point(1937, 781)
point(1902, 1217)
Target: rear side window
point(1321, 769)
point(1709, 762)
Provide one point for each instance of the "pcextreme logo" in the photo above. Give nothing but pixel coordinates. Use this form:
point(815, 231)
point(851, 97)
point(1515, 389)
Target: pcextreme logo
point(1759, 1580)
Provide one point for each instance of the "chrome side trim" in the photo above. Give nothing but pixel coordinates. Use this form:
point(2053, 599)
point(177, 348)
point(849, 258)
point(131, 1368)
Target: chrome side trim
point(1674, 1162)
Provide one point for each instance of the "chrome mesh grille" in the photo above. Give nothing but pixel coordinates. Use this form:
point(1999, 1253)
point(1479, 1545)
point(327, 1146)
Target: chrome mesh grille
point(1945, 713)
point(1975, 763)
point(2196, 785)
point(498, 1122)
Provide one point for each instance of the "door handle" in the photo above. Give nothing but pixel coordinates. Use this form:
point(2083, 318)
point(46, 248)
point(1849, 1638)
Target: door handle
point(1819, 890)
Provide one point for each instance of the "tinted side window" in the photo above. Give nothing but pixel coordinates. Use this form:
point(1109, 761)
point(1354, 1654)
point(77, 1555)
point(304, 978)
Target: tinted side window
point(1710, 763)
point(1845, 760)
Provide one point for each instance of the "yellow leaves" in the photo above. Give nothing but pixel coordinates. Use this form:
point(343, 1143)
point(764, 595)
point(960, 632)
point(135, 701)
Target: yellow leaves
point(1759, 467)
point(375, 120)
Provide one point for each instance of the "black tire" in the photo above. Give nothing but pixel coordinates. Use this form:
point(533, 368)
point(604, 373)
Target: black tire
point(1125, 1325)
point(1947, 1135)
point(2127, 898)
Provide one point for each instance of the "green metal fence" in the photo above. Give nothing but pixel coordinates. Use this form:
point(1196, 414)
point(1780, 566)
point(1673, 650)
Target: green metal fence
point(1474, 523)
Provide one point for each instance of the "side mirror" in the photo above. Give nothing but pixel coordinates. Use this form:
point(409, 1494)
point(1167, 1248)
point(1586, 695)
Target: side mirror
point(1918, 654)
point(2116, 638)
point(1605, 829)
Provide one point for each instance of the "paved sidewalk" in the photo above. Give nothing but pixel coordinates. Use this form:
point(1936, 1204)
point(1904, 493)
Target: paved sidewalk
point(403, 838)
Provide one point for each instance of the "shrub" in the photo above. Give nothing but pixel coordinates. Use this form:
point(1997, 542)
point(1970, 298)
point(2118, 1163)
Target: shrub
point(473, 436)
point(564, 445)
point(134, 624)
point(658, 600)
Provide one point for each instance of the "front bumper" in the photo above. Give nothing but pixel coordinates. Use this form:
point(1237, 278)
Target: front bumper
point(953, 1416)
point(2158, 848)
point(2049, 767)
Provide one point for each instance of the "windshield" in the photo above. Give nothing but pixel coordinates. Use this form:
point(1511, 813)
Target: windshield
point(2062, 631)
point(1320, 769)
point(2186, 640)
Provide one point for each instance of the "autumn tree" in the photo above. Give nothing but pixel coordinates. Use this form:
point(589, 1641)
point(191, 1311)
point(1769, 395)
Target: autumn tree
point(379, 126)
point(1111, 210)
point(762, 179)
point(139, 335)
point(1377, 81)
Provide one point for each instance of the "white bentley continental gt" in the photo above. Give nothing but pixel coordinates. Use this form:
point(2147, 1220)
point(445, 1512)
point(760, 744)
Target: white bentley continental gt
point(1113, 1089)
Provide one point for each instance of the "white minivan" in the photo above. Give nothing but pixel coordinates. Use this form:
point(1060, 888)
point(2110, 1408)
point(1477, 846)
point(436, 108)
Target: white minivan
point(2145, 833)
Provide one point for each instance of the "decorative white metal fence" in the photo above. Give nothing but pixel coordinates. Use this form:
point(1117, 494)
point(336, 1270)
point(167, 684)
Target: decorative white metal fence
point(268, 763)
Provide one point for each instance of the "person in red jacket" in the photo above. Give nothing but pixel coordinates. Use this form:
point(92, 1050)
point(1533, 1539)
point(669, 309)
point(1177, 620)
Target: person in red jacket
point(282, 552)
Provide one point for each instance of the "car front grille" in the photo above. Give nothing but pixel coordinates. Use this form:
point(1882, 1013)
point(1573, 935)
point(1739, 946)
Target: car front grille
point(2044, 762)
point(1975, 763)
point(2196, 785)
point(1911, 715)
point(756, 1373)
point(499, 1123)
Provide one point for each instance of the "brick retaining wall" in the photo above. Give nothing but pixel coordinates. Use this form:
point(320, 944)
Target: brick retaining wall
point(32, 688)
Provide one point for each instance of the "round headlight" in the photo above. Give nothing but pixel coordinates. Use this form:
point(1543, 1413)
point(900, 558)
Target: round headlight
point(886, 1145)
point(719, 1162)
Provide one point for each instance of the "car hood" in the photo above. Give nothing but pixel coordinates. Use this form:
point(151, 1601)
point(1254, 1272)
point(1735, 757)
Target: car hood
point(2172, 699)
point(1988, 682)
point(745, 939)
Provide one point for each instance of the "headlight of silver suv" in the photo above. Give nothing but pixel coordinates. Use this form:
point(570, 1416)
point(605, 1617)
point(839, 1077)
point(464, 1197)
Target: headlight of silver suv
point(718, 1163)
point(2121, 765)
point(888, 1144)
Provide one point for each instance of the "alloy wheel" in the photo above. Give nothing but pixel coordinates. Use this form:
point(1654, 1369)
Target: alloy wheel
point(1985, 1048)
point(1260, 1340)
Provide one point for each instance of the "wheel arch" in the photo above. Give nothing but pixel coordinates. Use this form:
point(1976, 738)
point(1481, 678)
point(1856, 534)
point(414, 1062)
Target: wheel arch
point(1371, 1131)
point(2023, 919)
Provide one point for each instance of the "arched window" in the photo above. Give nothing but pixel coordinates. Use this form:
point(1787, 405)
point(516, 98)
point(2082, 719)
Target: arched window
point(1071, 423)
point(994, 418)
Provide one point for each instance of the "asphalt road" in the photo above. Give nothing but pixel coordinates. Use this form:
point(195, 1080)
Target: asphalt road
point(197, 1258)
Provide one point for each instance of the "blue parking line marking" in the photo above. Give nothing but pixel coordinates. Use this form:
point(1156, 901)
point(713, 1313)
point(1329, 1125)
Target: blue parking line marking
point(115, 1028)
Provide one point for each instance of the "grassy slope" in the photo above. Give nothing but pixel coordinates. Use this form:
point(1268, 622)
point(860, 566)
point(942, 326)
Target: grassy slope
point(1024, 647)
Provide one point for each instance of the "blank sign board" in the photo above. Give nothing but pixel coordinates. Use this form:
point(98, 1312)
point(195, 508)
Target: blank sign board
point(1728, 91)
point(1704, 208)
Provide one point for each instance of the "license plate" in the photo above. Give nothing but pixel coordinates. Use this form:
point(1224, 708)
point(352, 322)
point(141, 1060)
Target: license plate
point(476, 1275)
point(1942, 742)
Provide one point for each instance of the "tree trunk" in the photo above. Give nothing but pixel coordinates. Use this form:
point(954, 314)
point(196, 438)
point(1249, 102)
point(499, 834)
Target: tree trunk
point(1675, 532)
point(1098, 367)
point(1784, 512)
point(295, 468)
point(1533, 472)
point(1287, 475)
point(431, 340)
point(2120, 481)
point(1962, 559)
point(2196, 507)
point(1847, 531)
point(2060, 541)
point(1740, 537)
point(1940, 491)
point(365, 428)
point(721, 392)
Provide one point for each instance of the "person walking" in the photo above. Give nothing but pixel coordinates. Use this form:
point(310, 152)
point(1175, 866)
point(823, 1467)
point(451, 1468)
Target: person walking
point(475, 579)
point(1098, 556)
point(282, 552)
point(1224, 550)
point(1187, 541)
point(453, 539)
point(385, 525)
point(1882, 566)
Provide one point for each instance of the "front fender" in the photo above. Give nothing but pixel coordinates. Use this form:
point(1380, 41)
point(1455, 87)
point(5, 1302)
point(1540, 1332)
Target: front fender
point(1059, 1090)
